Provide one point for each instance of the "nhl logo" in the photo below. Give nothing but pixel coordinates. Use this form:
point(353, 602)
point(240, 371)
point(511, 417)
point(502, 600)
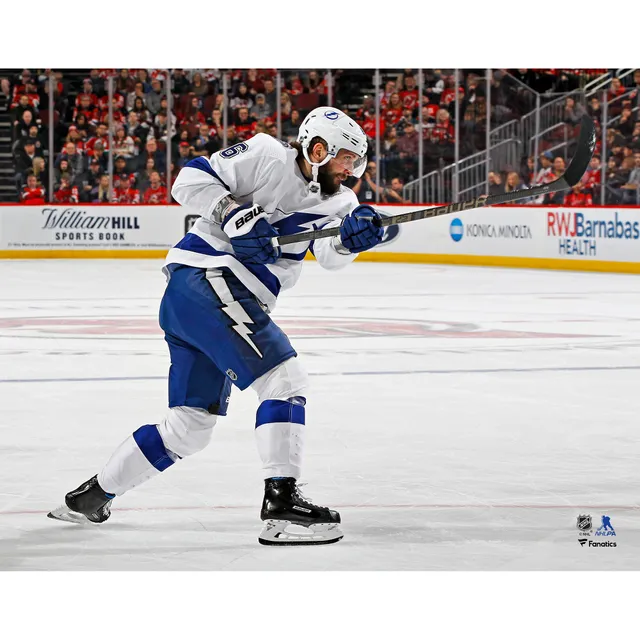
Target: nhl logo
point(584, 524)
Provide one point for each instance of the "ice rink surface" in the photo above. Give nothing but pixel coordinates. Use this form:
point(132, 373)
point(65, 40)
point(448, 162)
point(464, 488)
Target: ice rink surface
point(459, 418)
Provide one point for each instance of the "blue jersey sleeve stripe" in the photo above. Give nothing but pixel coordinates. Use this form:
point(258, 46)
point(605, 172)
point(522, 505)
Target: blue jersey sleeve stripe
point(203, 164)
point(273, 411)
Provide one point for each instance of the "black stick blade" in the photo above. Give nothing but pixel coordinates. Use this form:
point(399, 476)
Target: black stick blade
point(584, 152)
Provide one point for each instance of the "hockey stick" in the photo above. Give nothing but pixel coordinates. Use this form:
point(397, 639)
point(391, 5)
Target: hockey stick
point(571, 177)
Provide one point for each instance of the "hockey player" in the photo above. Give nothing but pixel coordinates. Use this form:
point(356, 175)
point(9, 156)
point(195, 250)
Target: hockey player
point(223, 280)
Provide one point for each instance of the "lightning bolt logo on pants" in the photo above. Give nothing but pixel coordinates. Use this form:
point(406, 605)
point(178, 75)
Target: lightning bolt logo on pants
point(232, 308)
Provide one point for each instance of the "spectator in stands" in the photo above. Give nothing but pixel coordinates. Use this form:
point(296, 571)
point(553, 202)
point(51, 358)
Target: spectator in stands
point(24, 161)
point(156, 193)
point(138, 92)
point(143, 76)
point(577, 197)
point(291, 126)
point(91, 182)
point(594, 110)
point(513, 182)
point(100, 155)
point(97, 82)
point(260, 109)
point(316, 84)
point(285, 106)
point(573, 111)
point(634, 140)
point(67, 192)
point(160, 126)
point(409, 93)
point(272, 129)
point(198, 85)
point(615, 89)
point(393, 111)
point(179, 81)
point(101, 136)
point(546, 168)
point(120, 165)
point(216, 121)
point(626, 123)
point(407, 148)
point(254, 83)
point(123, 144)
point(32, 193)
point(102, 193)
point(242, 98)
point(184, 154)
point(125, 193)
point(63, 170)
point(144, 177)
point(22, 107)
point(39, 170)
point(243, 124)
point(73, 135)
point(615, 142)
point(82, 125)
point(154, 96)
point(124, 83)
point(33, 135)
point(495, 183)
point(593, 175)
point(143, 113)
point(21, 129)
point(527, 172)
point(203, 144)
point(631, 189)
point(393, 194)
point(139, 132)
point(556, 197)
point(270, 95)
point(91, 113)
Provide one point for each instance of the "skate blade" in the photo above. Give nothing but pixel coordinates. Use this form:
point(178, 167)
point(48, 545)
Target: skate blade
point(275, 533)
point(64, 514)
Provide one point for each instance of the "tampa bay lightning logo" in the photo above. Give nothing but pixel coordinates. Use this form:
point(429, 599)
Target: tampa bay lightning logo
point(331, 115)
point(391, 232)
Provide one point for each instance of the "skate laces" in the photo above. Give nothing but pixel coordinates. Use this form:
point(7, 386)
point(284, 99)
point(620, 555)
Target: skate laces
point(304, 498)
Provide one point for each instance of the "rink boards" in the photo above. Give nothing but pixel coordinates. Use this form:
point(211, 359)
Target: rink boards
point(589, 239)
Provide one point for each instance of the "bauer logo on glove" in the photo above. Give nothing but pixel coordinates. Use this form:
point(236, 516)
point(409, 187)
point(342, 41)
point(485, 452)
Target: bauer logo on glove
point(251, 235)
point(361, 229)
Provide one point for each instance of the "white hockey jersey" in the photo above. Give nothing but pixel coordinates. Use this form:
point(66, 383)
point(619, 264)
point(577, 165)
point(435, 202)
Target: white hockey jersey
point(262, 170)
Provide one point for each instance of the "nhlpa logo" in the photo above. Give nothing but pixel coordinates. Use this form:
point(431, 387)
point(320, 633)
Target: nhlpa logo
point(331, 115)
point(606, 529)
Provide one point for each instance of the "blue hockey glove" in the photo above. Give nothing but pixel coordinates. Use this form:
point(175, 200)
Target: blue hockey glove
point(359, 231)
point(250, 235)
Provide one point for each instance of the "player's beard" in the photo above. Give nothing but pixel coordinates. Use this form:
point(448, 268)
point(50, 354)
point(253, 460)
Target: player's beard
point(329, 184)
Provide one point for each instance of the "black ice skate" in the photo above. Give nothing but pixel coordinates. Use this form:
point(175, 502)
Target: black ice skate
point(283, 505)
point(88, 504)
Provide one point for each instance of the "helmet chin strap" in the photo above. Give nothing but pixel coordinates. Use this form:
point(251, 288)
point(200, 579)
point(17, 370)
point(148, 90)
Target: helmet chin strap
point(314, 185)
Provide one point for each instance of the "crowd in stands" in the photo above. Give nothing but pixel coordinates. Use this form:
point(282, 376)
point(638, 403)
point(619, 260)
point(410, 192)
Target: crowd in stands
point(143, 126)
